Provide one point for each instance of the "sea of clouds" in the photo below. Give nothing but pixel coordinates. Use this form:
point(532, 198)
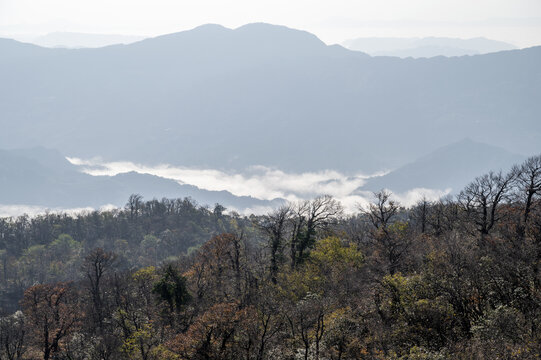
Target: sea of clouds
point(257, 181)
point(264, 183)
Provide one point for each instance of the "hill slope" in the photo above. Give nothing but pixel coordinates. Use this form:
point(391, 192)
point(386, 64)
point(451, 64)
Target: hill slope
point(43, 177)
point(262, 94)
point(450, 167)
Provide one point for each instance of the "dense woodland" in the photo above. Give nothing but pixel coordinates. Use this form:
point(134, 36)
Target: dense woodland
point(454, 279)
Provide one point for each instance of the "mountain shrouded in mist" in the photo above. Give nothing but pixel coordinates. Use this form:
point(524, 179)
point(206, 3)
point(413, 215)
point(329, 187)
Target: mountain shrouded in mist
point(450, 167)
point(43, 177)
point(217, 98)
point(262, 94)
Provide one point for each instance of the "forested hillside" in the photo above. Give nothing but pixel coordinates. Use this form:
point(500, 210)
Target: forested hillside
point(454, 279)
point(52, 247)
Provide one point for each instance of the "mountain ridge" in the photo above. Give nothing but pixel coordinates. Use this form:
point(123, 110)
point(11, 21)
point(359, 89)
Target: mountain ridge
point(319, 107)
point(43, 177)
point(449, 167)
point(426, 46)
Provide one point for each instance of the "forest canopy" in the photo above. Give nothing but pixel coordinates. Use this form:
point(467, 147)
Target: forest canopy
point(457, 278)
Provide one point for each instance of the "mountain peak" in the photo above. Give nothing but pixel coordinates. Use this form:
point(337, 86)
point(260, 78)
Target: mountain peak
point(208, 28)
point(262, 27)
point(261, 40)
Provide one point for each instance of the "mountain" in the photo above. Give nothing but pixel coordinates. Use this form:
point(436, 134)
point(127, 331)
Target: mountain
point(426, 47)
point(450, 167)
point(261, 94)
point(43, 177)
point(82, 40)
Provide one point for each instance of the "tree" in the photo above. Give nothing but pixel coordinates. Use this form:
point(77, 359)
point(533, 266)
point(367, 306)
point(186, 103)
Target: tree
point(529, 183)
point(52, 314)
point(309, 217)
point(216, 273)
point(98, 269)
point(137, 314)
point(97, 264)
point(63, 253)
point(391, 238)
point(216, 334)
point(135, 205)
point(149, 247)
point(336, 263)
point(421, 213)
point(382, 211)
point(306, 321)
point(275, 226)
point(480, 200)
point(12, 336)
point(172, 288)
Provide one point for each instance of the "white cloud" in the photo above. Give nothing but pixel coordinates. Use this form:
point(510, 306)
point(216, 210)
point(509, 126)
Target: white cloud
point(411, 197)
point(258, 181)
point(265, 183)
point(361, 200)
point(13, 210)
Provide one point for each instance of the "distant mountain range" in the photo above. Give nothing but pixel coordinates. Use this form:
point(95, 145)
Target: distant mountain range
point(426, 47)
point(450, 167)
point(43, 177)
point(75, 40)
point(261, 94)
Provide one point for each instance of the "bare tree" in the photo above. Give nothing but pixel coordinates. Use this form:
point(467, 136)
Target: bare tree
point(135, 205)
point(443, 216)
point(306, 321)
point(95, 267)
point(382, 211)
point(356, 228)
point(481, 199)
point(12, 336)
point(309, 217)
point(421, 213)
point(391, 242)
point(529, 183)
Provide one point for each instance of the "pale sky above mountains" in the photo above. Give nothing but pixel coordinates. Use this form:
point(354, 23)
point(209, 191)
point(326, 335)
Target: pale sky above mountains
point(517, 21)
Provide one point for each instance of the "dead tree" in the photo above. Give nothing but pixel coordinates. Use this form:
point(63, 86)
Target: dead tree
point(480, 200)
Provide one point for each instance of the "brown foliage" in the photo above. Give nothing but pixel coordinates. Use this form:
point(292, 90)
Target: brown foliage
point(52, 314)
point(222, 332)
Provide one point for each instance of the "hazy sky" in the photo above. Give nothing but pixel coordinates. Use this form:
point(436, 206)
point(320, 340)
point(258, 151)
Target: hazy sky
point(515, 21)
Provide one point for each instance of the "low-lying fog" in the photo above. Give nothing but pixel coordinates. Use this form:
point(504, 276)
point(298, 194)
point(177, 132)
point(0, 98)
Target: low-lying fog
point(264, 183)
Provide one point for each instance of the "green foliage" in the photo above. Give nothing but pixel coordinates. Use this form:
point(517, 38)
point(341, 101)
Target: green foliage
point(333, 252)
point(145, 275)
point(51, 247)
point(64, 244)
point(150, 242)
point(172, 288)
point(417, 314)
